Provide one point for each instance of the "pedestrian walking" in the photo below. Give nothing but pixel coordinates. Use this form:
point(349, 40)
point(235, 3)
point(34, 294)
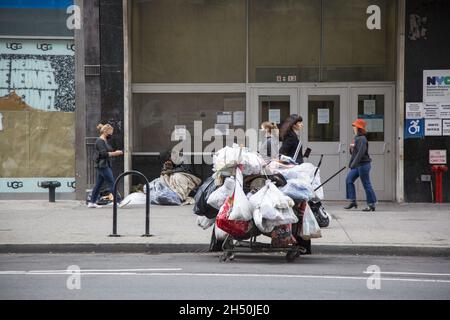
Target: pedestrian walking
point(289, 134)
point(104, 153)
point(269, 145)
point(360, 165)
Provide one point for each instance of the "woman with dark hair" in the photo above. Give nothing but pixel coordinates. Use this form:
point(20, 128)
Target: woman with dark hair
point(289, 135)
point(360, 167)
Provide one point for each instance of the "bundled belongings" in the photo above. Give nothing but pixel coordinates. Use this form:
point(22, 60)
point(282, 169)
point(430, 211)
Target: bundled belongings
point(227, 159)
point(173, 187)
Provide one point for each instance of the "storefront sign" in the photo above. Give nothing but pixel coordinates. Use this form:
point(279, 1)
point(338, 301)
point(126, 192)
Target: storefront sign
point(438, 156)
point(414, 128)
point(446, 127)
point(431, 110)
point(323, 116)
point(436, 85)
point(433, 127)
point(15, 185)
point(414, 110)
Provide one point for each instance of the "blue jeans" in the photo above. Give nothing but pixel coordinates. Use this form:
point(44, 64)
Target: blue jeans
point(103, 175)
point(363, 173)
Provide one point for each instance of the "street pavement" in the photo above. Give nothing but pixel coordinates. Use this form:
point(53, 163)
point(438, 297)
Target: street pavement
point(200, 276)
point(69, 226)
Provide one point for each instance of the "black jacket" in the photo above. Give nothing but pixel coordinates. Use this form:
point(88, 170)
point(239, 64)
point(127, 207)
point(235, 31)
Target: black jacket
point(102, 159)
point(360, 152)
point(289, 145)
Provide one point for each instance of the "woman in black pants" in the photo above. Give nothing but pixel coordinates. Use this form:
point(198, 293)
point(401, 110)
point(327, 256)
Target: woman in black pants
point(103, 165)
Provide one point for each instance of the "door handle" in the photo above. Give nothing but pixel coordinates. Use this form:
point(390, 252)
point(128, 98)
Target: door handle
point(384, 147)
point(340, 147)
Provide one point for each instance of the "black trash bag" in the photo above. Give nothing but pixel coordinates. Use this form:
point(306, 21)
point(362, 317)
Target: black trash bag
point(202, 208)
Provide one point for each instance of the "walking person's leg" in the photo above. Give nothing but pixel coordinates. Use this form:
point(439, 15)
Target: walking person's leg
point(109, 178)
point(98, 184)
point(352, 175)
point(364, 173)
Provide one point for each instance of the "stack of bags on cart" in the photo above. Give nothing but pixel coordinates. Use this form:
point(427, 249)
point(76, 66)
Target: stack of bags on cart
point(267, 210)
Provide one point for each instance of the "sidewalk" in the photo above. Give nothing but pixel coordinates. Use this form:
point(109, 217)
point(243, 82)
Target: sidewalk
point(69, 226)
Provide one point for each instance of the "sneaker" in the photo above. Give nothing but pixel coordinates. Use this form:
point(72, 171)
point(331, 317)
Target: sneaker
point(124, 203)
point(93, 205)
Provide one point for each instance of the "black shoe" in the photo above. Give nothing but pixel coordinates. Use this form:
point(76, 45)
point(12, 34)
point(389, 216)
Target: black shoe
point(368, 209)
point(351, 205)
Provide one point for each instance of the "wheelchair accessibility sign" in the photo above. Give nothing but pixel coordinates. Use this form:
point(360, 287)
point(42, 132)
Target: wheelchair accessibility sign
point(414, 128)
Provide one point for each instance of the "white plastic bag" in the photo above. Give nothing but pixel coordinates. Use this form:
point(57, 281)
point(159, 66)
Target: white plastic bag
point(310, 227)
point(225, 157)
point(242, 209)
point(298, 189)
point(252, 163)
point(219, 233)
point(204, 222)
point(264, 225)
point(218, 197)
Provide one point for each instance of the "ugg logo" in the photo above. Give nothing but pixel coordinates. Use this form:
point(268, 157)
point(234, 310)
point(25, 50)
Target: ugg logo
point(15, 184)
point(44, 46)
point(14, 45)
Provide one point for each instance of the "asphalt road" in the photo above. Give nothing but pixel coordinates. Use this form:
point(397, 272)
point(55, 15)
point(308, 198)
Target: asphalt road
point(203, 276)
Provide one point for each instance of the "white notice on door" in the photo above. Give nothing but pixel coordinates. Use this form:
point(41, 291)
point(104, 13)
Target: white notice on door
point(431, 110)
point(323, 116)
point(446, 127)
point(433, 127)
point(275, 116)
point(369, 106)
point(239, 118)
point(414, 110)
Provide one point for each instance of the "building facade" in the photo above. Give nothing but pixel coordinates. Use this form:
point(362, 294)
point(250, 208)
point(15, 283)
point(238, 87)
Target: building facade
point(194, 72)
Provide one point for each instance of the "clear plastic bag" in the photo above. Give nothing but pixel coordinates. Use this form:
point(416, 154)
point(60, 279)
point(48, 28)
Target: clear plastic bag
point(310, 227)
point(298, 189)
point(162, 194)
point(242, 208)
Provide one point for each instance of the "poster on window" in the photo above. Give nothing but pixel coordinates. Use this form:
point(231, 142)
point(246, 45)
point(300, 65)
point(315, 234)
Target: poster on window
point(37, 104)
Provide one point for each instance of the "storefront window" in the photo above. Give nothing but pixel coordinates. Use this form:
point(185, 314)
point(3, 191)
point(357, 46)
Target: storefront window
point(189, 41)
point(284, 40)
point(157, 116)
point(37, 118)
point(352, 51)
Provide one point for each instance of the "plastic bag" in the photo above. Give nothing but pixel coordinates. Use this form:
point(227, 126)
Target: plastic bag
point(218, 197)
point(201, 206)
point(305, 172)
point(219, 233)
point(282, 236)
point(264, 225)
point(242, 208)
point(298, 189)
point(310, 227)
point(235, 228)
point(204, 222)
point(225, 157)
point(161, 194)
point(252, 163)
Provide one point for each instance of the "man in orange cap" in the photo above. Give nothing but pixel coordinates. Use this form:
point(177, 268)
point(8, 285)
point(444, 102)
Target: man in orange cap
point(360, 167)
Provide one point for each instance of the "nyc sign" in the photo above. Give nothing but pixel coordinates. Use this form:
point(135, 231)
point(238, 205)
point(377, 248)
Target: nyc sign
point(436, 85)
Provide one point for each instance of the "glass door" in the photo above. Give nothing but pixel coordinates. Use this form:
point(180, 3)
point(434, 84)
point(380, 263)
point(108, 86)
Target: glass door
point(376, 107)
point(271, 104)
point(324, 112)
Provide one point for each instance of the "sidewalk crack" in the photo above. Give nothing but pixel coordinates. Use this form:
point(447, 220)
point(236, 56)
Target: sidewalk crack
point(342, 227)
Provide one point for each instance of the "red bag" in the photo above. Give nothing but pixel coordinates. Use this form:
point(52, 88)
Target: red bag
point(235, 228)
point(282, 236)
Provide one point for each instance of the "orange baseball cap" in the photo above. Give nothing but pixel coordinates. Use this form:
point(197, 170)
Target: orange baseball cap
point(359, 123)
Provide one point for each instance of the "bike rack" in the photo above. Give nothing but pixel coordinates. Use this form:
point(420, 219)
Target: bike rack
point(147, 204)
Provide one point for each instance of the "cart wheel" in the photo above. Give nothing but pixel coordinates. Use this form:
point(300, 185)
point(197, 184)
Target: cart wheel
point(223, 257)
point(291, 255)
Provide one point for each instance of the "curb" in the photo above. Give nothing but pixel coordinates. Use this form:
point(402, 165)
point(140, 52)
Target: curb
point(390, 250)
